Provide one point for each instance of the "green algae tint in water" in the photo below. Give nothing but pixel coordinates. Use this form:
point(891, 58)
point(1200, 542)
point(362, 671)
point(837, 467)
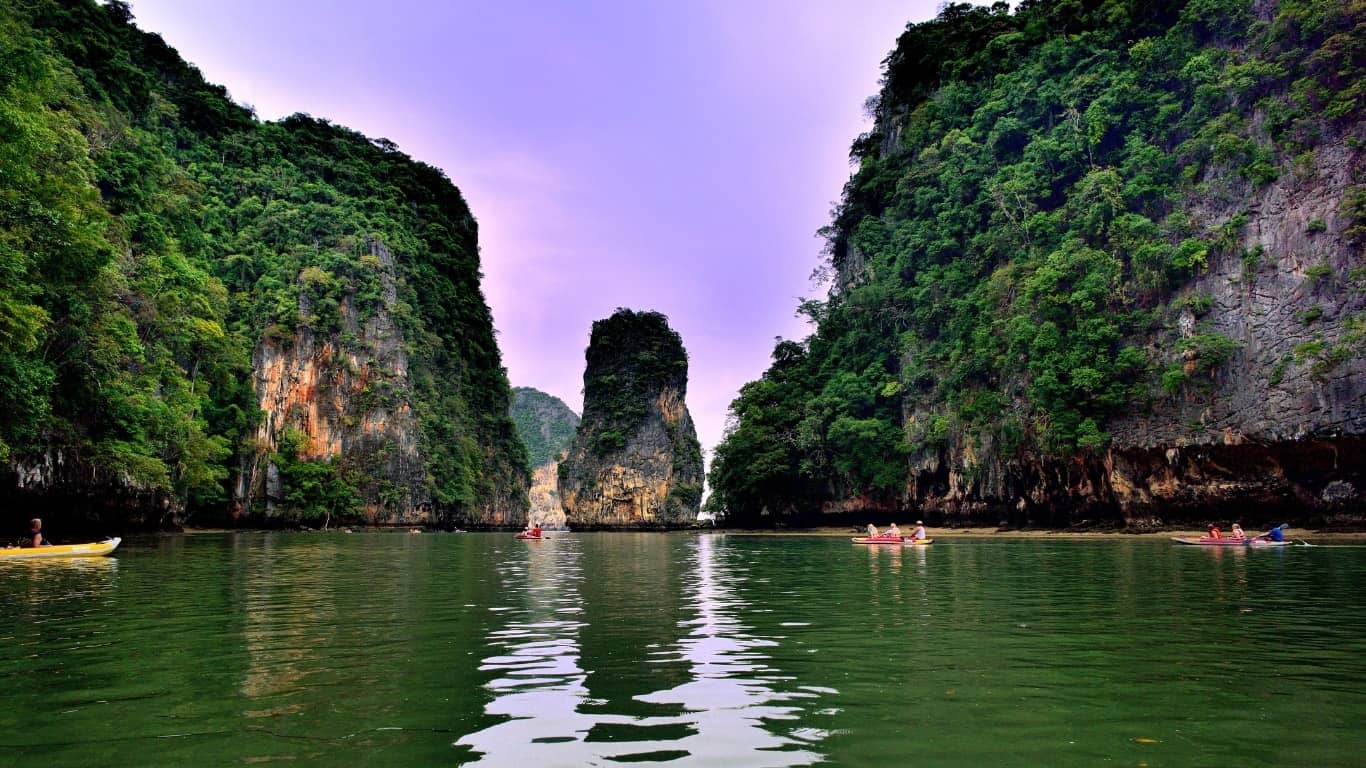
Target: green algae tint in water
point(604, 649)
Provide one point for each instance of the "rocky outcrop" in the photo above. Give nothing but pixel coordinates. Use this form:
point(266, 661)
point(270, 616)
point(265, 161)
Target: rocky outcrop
point(80, 499)
point(546, 425)
point(635, 461)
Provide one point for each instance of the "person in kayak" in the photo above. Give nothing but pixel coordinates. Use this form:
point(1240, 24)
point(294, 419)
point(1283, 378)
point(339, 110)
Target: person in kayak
point(1214, 532)
point(1237, 532)
point(872, 531)
point(919, 533)
point(35, 534)
point(1275, 534)
point(892, 532)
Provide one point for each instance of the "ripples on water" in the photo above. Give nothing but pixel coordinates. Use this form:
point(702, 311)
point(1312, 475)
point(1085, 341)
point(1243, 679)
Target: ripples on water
point(721, 711)
point(605, 649)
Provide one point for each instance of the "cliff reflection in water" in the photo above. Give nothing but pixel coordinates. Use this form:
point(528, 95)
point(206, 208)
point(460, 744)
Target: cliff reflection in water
point(726, 709)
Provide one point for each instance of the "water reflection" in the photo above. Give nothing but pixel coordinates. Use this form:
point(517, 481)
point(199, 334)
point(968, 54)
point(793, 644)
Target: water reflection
point(540, 683)
point(35, 589)
point(727, 709)
point(731, 700)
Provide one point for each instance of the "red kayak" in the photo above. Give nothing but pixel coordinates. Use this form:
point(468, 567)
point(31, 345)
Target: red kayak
point(1210, 541)
point(891, 540)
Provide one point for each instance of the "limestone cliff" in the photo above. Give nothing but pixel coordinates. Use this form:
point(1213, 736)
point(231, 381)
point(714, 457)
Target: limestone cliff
point(546, 509)
point(1278, 431)
point(1102, 267)
point(348, 393)
point(202, 320)
point(635, 461)
point(547, 427)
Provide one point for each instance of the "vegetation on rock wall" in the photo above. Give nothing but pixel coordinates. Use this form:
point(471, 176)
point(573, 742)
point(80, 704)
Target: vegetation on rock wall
point(544, 422)
point(152, 232)
point(631, 356)
point(1006, 251)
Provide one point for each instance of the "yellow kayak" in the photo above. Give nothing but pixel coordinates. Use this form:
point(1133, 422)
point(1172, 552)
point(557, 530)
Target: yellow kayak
point(96, 549)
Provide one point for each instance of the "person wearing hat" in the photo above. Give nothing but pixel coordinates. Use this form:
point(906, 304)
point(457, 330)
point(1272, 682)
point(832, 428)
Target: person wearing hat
point(919, 532)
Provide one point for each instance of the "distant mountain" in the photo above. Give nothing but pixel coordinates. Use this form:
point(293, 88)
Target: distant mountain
point(545, 423)
point(547, 428)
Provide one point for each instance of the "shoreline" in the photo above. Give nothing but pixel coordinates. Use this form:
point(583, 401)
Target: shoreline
point(1040, 533)
point(838, 532)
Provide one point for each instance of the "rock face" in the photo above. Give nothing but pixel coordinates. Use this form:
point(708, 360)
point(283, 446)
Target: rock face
point(635, 461)
point(349, 395)
point(1277, 432)
point(547, 427)
point(546, 509)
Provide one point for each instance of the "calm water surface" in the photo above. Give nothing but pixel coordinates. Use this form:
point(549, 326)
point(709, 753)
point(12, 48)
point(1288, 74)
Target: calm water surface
point(725, 650)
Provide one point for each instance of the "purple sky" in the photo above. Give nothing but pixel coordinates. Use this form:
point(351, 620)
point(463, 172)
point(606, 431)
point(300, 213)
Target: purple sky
point(669, 156)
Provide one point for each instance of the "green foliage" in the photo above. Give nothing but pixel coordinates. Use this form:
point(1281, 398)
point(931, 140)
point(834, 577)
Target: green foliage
point(1198, 303)
point(631, 357)
point(1014, 225)
point(1252, 261)
point(1173, 378)
point(152, 232)
point(545, 424)
point(1354, 209)
point(1318, 272)
point(1315, 226)
point(1278, 373)
point(312, 489)
point(1211, 350)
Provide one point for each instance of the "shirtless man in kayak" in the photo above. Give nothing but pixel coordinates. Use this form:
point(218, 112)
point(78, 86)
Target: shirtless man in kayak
point(35, 534)
point(892, 532)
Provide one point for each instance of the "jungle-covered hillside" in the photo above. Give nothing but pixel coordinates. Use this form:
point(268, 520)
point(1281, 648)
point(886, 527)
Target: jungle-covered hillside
point(1066, 217)
point(157, 241)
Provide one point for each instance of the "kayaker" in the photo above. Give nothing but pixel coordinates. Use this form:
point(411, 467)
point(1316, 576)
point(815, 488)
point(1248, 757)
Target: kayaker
point(892, 532)
point(919, 533)
point(1238, 532)
point(1275, 534)
point(872, 531)
point(35, 534)
point(1214, 532)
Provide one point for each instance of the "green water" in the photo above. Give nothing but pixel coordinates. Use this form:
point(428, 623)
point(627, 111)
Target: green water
point(603, 649)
